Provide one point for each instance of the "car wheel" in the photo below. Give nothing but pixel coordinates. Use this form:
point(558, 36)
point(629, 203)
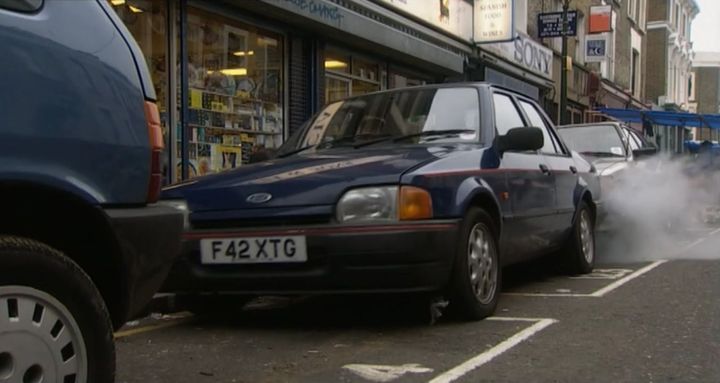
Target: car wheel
point(477, 275)
point(54, 325)
point(579, 252)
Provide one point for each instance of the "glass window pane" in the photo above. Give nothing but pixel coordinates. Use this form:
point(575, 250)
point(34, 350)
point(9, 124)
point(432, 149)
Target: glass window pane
point(235, 98)
point(536, 120)
point(506, 114)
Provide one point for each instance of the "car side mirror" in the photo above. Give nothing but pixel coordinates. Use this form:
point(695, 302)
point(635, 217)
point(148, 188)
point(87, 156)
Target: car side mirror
point(644, 152)
point(521, 140)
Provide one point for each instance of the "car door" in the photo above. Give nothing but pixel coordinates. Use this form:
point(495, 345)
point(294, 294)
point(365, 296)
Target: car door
point(564, 170)
point(531, 187)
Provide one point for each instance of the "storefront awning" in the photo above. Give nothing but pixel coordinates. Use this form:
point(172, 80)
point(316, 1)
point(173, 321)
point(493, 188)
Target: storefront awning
point(657, 117)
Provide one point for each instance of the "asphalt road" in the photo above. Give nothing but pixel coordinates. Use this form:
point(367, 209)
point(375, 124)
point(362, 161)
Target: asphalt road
point(650, 313)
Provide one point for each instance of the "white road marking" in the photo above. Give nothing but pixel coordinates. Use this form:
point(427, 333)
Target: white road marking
point(627, 279)
point(601, 292)
point(605, 274)
point(383, 373)
point(714, 232)
point(693, 244)
point(485, 357)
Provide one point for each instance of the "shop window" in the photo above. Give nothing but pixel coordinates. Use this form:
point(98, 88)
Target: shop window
point(350, 75)
point(146, 20)
point(399, 78)
point(235, 78)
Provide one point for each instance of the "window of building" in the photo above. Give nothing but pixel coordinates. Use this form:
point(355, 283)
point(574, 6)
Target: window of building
point(235, 77)
point(635, 73)
point(580, 39)
point(349, 74)
point(507, 115)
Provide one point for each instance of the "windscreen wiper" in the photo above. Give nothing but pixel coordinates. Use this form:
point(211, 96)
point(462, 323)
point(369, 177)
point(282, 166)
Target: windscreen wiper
point(436, 134)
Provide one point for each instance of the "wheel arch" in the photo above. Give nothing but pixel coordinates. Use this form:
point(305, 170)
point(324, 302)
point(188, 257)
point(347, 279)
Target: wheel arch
point(69, 224)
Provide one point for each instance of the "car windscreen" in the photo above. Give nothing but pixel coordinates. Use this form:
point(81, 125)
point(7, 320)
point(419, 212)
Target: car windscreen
point(412, 115)
point(598, 140)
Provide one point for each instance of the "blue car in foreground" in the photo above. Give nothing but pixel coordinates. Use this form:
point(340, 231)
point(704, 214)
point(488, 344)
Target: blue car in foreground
point(425, 189)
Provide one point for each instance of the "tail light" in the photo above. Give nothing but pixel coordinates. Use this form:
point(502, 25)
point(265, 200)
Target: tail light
point(152, 116)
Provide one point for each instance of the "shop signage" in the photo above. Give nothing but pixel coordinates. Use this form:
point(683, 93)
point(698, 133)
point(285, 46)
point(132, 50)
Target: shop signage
point(600, 19)
point(526, 53)
point(494, 21)
point(453, 16)
point(596, 48)
point(550, 24)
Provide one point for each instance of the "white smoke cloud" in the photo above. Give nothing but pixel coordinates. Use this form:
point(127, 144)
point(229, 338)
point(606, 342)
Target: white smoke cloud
point(655, 207)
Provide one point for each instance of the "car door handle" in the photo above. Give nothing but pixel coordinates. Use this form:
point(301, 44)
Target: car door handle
point(573, 169)
point(545, 169)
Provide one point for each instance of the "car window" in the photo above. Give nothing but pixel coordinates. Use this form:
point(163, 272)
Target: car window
point(550, 145)
point(507, 115)
point(21, 5)
point(594, 140)
point(424, 115)
point(632, 139)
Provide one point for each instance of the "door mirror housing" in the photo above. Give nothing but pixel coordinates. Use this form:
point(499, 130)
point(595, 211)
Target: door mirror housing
point(644, 152)
point(521, 140)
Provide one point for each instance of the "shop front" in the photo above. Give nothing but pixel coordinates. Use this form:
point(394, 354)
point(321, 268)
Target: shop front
point(234, 77)
point(523, 65)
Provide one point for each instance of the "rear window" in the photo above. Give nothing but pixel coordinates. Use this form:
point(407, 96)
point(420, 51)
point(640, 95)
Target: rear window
point(21, 5)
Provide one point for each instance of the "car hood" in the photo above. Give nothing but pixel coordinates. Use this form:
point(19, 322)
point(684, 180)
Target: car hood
point(301, 180)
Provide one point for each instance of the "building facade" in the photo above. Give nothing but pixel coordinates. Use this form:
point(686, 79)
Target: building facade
point(671, 54)
point(705, 91)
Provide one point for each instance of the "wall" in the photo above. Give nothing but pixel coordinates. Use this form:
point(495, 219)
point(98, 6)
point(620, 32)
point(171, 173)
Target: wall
point(657, 65)
point(707, 93)
point(657, 10)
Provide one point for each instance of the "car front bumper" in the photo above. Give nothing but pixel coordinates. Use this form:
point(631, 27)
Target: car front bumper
point(403, 257)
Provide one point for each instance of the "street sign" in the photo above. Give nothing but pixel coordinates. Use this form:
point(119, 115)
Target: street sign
point(550, 24)
point(596, 48)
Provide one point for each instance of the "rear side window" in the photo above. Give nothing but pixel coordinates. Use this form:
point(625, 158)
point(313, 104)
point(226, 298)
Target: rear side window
point(21, 5)
point(506, 114)
point(551, 145)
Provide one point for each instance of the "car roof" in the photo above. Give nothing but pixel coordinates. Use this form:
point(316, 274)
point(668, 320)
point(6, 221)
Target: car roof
point(591, 124)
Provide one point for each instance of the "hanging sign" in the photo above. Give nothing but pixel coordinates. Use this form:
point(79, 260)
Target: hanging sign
point(453, 16)
point(600, 19)
point(550, 24)
point(596, 48)
point(493, 21)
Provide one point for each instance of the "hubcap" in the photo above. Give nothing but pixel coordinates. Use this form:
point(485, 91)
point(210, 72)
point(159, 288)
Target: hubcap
point(482, 265)
point(586, 236)
point(40, 342)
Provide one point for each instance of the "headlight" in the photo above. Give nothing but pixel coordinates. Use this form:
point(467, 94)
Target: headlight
point(180, 205)
point(383, 204)
point(368, 204)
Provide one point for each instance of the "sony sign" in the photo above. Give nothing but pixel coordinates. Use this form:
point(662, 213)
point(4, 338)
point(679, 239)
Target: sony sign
point(527, 53)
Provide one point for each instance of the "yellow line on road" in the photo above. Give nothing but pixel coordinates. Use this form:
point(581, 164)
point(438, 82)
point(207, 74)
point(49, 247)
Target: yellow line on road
point(154, 327)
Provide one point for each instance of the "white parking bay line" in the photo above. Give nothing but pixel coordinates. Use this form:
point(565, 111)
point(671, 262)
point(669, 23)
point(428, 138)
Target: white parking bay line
point(481, 359)
point(714, 232)
point(626, 279)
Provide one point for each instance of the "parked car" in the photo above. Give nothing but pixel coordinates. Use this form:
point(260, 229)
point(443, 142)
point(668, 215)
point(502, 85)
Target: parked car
point(612, 148)
point(83, 246)
point(425, 189)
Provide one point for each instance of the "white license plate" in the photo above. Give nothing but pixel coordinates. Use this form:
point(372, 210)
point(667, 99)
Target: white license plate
point(253, 250)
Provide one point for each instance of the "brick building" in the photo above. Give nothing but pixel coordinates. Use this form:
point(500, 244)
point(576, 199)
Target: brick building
point(705, 90)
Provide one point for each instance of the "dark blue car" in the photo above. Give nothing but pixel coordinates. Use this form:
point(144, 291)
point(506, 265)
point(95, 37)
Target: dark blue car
point(426, 189)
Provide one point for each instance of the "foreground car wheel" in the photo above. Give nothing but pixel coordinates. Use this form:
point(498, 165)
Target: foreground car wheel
point(54, 326)
point(476, 275)
point(579, 252)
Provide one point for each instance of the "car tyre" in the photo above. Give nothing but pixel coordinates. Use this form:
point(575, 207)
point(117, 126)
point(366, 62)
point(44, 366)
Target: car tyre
point(578, 257)
point(51, 306)
point(477, 275)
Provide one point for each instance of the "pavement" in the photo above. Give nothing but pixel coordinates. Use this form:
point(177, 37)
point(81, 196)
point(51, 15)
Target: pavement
point(648, 313)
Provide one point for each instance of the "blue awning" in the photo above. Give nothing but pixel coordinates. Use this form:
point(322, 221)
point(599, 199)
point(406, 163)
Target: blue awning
point(657, 117)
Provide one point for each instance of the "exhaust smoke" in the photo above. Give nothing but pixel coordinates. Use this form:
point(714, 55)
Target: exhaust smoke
point(656, 208)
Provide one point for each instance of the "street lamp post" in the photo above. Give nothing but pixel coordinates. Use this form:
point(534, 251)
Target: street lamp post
point(565, 68)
